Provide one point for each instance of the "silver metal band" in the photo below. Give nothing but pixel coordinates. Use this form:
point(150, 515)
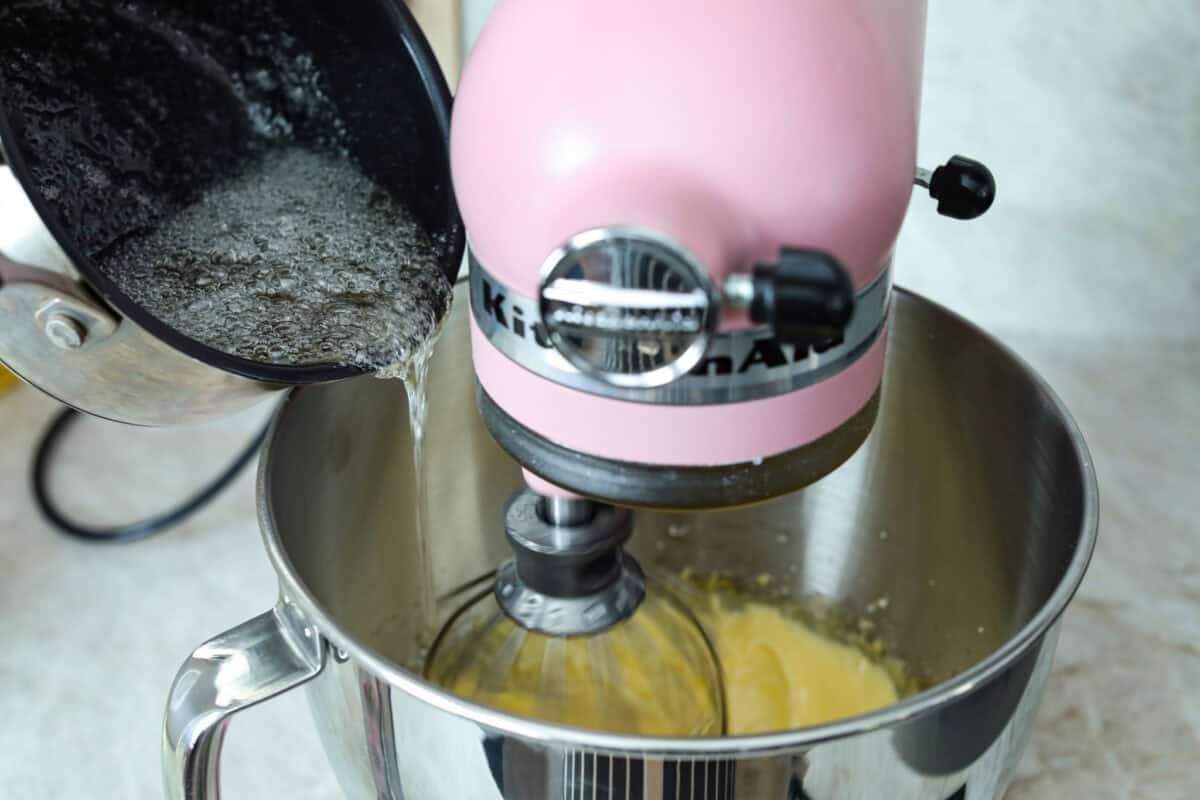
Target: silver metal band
point(739, 365)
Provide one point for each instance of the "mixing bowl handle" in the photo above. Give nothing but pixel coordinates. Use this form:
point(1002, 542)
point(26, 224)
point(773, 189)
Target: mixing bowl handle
point(255, 661)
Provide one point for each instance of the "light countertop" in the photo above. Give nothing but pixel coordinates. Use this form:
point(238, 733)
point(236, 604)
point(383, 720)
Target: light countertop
point(1089, 266)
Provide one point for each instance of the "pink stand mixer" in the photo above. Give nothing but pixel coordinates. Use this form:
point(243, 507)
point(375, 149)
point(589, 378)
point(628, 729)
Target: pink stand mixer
point(681, 218)
point(681, 224)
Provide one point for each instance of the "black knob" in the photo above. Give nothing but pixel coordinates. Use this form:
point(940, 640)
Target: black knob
point(964, 189)
point(808, 297)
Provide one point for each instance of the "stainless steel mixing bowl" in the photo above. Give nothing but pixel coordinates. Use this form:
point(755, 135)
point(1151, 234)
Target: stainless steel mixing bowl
point(970, 513)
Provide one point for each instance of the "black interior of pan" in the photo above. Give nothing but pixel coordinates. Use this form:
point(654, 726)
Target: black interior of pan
point(115, 114)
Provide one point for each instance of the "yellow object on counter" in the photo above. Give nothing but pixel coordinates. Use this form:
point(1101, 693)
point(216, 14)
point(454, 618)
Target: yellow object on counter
point(7, 380)
point(779, 674)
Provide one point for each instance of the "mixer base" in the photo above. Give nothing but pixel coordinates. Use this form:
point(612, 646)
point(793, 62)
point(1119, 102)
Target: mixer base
point(676, 488)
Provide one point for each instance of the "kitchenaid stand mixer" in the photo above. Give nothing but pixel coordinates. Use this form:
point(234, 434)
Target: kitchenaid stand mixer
point(681, 224)
point(681, 263)
point(682, 219)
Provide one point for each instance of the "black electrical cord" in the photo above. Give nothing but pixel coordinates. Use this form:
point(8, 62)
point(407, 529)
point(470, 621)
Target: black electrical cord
point(135, 530)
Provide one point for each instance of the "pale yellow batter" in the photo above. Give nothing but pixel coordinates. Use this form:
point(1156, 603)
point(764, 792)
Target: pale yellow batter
point(651, 675)
point(643, 678)
point(779, 674)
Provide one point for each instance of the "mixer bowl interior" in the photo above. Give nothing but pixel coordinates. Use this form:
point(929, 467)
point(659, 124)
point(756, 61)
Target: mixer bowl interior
point(965, 520)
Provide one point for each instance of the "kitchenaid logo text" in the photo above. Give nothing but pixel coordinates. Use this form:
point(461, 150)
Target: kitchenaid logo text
point(612, 319)
point(746, 354)
point(495, 305)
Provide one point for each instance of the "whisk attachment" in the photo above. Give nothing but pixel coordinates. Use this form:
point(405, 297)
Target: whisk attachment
point(569, 576)
point(574, 632)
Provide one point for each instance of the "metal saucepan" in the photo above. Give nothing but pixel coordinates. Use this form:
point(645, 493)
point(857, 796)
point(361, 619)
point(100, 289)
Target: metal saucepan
point(155, 99)
point(972, 508)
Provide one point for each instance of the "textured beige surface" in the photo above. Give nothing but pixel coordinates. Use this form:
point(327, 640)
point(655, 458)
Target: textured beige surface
point(93, 634)
point(442, 22)
point(1089, 113)
point(1121, 715)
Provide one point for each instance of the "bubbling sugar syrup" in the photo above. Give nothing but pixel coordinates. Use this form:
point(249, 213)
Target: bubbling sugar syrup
point(197, 154)
point(301, 259)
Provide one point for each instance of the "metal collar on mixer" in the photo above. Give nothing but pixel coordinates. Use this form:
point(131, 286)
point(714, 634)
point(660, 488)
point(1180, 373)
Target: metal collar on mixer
point(738, 365)
point(570, 577)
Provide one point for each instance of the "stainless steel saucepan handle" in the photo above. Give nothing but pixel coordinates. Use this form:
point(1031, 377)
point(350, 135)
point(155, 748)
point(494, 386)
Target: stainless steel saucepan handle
point(13, 272)
point(32, 298)
point(255, 661)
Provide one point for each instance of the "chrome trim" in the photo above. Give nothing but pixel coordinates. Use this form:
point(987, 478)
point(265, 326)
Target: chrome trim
point(742, 364)
point(586, 293)
point(603, 312)
point(739, 290)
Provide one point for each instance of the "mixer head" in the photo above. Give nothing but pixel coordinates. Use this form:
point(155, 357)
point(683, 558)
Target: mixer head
point(681, 219)
point(680, 269)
